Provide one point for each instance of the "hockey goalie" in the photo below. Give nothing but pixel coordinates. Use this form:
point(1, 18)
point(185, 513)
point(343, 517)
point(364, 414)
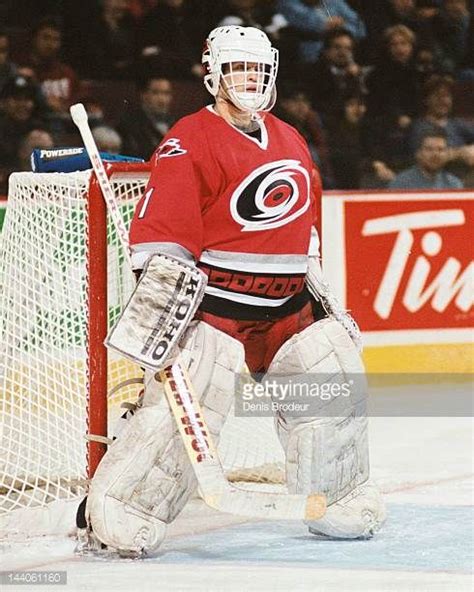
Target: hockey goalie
point(232, 199)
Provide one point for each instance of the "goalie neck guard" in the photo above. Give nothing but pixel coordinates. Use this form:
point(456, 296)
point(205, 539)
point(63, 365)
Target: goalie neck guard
point(243, 62)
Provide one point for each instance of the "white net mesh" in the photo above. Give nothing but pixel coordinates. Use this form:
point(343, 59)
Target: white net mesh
point(43, 319)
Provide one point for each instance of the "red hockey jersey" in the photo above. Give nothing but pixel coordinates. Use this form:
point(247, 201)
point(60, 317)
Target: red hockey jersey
point(243, 207)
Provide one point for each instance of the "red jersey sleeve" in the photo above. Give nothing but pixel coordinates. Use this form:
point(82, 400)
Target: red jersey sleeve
point(170, 209)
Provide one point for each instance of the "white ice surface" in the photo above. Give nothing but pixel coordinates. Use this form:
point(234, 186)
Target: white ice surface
point(424, 467)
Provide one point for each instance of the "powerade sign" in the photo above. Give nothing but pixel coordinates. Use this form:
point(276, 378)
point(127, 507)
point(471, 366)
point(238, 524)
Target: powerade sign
point(60, 153)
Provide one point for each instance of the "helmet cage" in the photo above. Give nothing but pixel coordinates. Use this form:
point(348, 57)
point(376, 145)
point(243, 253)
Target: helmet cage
point(244, 66)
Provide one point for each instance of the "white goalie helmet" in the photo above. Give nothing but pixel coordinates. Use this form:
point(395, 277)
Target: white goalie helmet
point(242, 61)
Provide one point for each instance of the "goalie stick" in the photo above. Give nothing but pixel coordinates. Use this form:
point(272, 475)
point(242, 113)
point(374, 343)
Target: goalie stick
point(214, 488)
point(216, 491)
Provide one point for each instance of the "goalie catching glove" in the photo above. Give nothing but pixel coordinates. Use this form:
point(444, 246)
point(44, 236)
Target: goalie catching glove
point(160, 309)
point(320, 289)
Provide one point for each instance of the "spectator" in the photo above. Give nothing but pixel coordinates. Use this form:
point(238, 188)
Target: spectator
point(143, 127)
point(336, 74)
point(106, 47)
point(387, 151)
point(373, 14)
point(59, 83)
point(294, 107)
point(394, 84)
point(18, 116)
point(345, 130)
point(36, 138)
point(426, 62)
point(171, 40)
point(312, 20)
point(401, 12)
point(394, 87)
point(391, 13)
point(107, 139)
point(7, 67)
point(95, 110)
point(428, 172)
point(438, 103)
point(18, 108)
point(451, 29)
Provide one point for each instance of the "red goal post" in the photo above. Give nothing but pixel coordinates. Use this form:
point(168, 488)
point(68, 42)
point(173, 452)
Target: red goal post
point(98, 309)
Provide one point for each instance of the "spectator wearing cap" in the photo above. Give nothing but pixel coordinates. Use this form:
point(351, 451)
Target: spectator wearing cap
point(18, 115)
point(429, 171)
point(438, 117)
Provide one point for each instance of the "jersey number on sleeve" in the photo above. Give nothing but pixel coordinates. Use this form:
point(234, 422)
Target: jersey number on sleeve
point(146, 201)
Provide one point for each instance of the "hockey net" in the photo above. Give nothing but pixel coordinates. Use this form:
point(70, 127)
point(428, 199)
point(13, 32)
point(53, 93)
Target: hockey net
point(58, 297)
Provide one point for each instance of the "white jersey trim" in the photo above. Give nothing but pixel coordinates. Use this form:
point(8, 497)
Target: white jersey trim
point(141, 252)
point(255, 263)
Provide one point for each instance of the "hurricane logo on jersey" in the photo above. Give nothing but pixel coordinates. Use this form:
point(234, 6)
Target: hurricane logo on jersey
point(273, 195)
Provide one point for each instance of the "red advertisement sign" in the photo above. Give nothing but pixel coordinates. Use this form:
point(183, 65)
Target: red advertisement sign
point(409, 263)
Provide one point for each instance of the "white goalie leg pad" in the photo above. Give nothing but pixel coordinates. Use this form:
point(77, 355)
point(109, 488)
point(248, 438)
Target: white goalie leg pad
point(328, 452)
point(145, 479)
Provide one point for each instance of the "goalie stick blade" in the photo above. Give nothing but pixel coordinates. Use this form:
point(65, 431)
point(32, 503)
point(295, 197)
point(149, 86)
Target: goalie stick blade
point(214, 488)
point(257, 504)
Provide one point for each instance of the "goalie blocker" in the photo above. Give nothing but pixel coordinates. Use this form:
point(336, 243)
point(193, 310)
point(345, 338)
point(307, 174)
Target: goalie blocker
point(162, 305)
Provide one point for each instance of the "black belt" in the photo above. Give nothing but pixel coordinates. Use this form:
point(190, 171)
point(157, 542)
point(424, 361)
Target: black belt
point(229, 309)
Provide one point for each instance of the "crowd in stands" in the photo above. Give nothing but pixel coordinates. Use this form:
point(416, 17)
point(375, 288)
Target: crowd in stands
point(382, 90)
